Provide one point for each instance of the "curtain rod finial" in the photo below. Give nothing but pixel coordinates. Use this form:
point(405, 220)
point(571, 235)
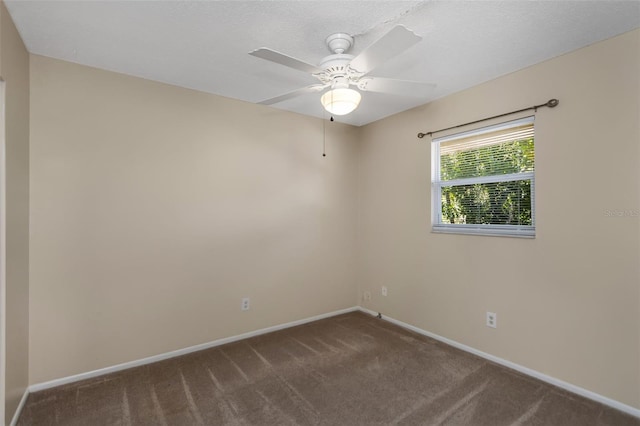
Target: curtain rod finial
point(553, 103)
point(422, 135)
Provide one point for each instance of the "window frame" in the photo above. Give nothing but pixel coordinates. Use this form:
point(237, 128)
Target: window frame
point(437, 226)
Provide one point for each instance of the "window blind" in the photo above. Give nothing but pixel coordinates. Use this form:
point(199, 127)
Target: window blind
point(484, 180)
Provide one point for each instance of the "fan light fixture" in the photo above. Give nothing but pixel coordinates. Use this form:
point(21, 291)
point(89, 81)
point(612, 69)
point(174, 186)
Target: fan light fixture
point(341, 101)
point(340, 71)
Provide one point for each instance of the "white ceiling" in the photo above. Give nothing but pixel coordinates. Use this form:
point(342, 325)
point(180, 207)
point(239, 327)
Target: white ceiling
point(204, 45)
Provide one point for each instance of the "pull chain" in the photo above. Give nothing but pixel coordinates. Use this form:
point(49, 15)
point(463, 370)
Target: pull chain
point(324, 137)
point(324, 130)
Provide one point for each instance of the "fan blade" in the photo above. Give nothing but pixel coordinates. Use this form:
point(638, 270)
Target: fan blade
point(305, 90)
point(287, 61)
point(391, 44)
point(395, 87)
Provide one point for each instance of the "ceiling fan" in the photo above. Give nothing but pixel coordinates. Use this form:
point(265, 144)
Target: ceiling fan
point(341, 70)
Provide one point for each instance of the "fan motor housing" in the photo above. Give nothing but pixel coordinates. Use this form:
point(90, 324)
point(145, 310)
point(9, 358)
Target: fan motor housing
point(337, 67)
point(336, 63)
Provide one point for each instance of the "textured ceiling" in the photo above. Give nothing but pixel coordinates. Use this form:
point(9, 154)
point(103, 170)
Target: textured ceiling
point(204, 45)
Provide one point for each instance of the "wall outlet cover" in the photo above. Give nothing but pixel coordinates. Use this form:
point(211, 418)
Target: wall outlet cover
point(245, 304)
point(492, 320)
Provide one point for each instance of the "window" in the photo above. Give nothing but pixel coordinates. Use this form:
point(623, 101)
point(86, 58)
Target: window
point(483, 181)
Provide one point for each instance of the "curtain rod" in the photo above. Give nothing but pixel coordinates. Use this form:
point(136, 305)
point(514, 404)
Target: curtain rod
point(552, 103)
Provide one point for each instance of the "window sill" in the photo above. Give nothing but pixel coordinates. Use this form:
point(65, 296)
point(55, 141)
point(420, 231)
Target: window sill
point(488, 231)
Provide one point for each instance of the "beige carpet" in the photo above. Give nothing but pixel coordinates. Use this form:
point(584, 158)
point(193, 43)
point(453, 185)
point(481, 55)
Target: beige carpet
point(347, 370)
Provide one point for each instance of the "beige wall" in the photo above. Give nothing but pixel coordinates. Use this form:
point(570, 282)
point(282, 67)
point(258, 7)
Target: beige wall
point(14, 70)
point(155, 209)
point(568, 300)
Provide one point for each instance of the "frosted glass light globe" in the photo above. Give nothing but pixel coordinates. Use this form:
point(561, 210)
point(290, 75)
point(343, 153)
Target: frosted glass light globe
point(341, 101)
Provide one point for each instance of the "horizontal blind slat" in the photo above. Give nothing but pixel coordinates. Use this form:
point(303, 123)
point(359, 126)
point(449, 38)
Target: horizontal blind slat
point(465, 145)
point(488, 129)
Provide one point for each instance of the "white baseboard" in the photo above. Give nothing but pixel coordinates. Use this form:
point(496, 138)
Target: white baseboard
point(126, 365)
point(525, 370)
point(23, 401)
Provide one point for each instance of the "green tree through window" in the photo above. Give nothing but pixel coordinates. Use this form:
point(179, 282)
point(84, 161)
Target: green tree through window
point(486, 178)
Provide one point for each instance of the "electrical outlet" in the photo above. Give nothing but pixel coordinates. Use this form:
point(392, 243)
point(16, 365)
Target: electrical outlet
point(492, 320)
point(245, 304)
point(366, 296)
point(384, 291)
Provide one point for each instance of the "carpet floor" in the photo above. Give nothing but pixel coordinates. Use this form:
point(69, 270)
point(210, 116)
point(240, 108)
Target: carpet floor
point(351, 369)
